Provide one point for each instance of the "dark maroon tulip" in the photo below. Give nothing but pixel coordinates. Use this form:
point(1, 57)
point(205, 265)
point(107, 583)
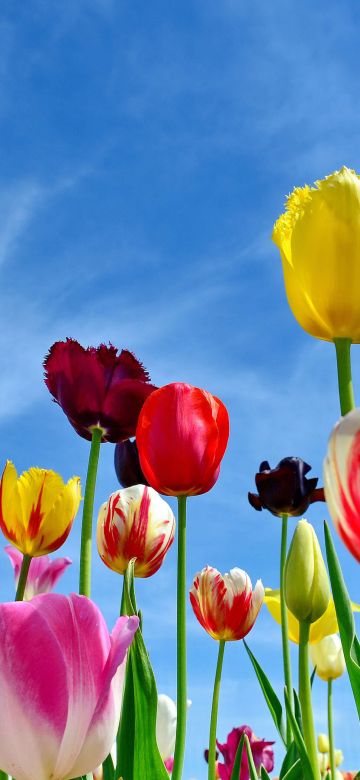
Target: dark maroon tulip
point(285, 490)
point(97, 388)
point(127, 464)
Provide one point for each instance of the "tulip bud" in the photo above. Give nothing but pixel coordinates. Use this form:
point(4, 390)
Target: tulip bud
point(339, 757)
point(323, 763)
point(328, 657)
point(307, 590)
point(323, 743)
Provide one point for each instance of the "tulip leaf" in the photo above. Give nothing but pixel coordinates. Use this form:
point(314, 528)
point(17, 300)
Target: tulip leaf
point(263, 773)
point(345, 618)
point(291, 757)
point(252, 768)
point(299, 741)
point(235, 774)
point(297, 710)
point(295, 772)
point(139, 736)
point(270, 696)
point(108, 768)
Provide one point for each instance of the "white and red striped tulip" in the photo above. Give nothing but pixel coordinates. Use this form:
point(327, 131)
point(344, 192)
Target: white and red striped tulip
point(61, 678)
point(135, 523)
point(226, 606)
point(342, 480)
point(43, 574)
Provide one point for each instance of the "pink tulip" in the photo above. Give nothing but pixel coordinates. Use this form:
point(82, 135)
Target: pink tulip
point(61, 678)
point(43, 572)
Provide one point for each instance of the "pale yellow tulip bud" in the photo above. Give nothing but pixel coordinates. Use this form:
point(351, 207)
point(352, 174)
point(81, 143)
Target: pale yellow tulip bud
point(339, 757)
point(307, 590)
point(323, 743)
point(328, 657)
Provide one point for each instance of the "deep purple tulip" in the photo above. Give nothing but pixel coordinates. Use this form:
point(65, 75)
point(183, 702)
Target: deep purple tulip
point(127, 464)
point(97, 388)
point(285, 490)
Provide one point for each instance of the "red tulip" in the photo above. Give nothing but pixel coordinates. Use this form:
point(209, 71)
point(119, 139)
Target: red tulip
point(97, 388)
point(181, 436)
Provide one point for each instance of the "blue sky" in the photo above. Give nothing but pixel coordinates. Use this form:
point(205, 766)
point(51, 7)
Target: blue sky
point(147, 149)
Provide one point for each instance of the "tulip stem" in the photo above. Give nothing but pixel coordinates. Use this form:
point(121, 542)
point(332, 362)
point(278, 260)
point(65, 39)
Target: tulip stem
point(285, 628)
point(305, 698)
point(214, 712)
point(331, 731)
point(181, 643)
point(87, 518)
point(346, 391)
point(25, 566)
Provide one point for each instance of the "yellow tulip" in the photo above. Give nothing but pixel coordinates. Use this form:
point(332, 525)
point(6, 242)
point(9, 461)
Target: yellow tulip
point(326, 625)
point(37, 509)
point(319, 241)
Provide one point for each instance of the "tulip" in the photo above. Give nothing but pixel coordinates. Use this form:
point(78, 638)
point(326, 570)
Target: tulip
point(37, 509)
point(166, 720)
point(43, 572)
point(262, 752)
point(342, 489)
point(285, 490)
point(166, 726)
point(319, 241)
point(323, 743)
point(325, 625)
point(60, 692)
point(328, 657)
point(127, 464)
point(181, 436)
point(97, 388)
point(226, 606)
point(307, 589)
point(135, 523)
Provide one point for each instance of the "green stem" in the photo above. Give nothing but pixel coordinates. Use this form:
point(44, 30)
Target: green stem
point(87, 518)
point(305, 699)
point(331, 732)
point(181, 643)
point(214, 712)
point(285, 628)
point(346, 392)
point(3, 775)
point(25, 566)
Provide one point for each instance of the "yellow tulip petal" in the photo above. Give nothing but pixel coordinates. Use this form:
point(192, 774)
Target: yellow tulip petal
point(56, 524)
point(326, 625)
point(10, 520)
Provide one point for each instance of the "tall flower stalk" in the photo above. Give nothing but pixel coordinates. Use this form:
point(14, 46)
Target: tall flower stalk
point(181, 698)
point(285, 627)
point(343, 359)
point(88, 511)
point(214, 712)
point(305, 699)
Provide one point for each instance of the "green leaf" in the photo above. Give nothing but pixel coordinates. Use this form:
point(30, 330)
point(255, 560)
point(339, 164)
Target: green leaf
point(252, 768)
point(299, 741)
point(108, 768)
point(295, 772)
point(137, 730)
point(297, 710)
point(270, 696)
point(345, 618)
point(238, 757)
point(263, 773)
point(291, 757)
